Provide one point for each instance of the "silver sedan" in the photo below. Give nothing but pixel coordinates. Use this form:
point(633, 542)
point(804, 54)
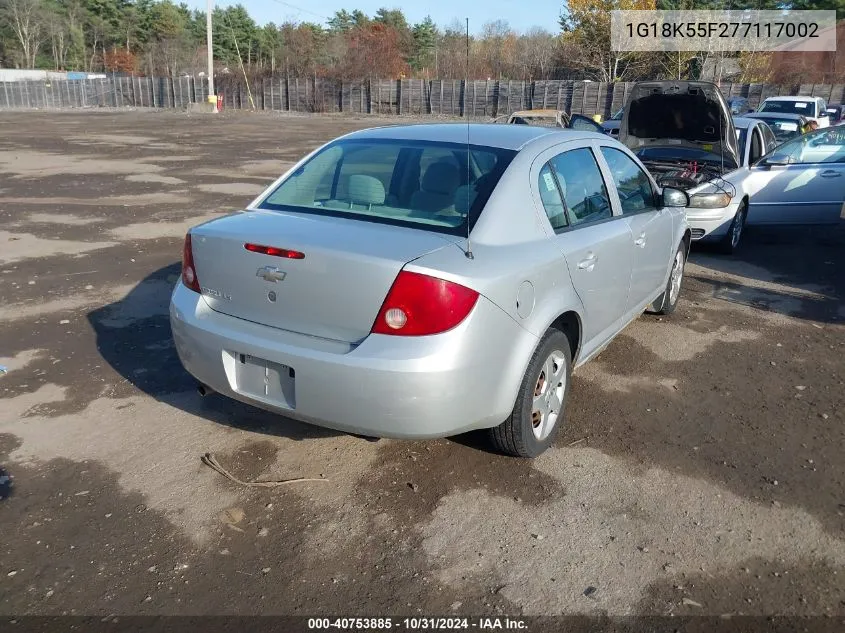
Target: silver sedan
point(425, 280)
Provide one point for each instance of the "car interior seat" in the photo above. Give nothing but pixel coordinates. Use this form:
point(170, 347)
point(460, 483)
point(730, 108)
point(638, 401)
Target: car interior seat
point(437, 189)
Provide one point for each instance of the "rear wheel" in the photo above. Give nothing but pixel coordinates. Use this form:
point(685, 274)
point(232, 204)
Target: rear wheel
point(668, 301)
point(539, 409)
point(730, 242)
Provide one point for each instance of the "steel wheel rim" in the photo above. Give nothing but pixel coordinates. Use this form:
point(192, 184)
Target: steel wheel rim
point(549, 390)
point(736, 231)
point(677, 277)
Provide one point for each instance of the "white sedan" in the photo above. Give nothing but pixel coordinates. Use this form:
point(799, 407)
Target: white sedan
point(724, 224)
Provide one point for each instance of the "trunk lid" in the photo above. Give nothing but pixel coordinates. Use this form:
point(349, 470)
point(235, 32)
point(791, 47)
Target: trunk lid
point(669, 115)
point(334, 292)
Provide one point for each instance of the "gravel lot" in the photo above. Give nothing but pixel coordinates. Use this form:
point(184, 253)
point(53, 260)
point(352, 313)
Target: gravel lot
point(702, 470)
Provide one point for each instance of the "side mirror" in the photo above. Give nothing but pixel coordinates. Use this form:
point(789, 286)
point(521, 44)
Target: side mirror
point(675, 197)
point(774, 161)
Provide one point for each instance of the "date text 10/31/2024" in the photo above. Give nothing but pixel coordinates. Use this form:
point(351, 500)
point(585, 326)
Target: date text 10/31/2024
point(416, 624)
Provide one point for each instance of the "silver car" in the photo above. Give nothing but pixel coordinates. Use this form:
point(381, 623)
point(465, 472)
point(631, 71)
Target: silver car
point(425, 280)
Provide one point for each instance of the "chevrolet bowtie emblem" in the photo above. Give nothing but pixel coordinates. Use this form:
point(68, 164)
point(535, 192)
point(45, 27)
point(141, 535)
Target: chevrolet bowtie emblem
point(270, 273)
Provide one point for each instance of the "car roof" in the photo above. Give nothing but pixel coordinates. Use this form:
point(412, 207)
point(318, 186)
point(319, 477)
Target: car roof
point(797, 98)
point(541, 112)
point(745, 122)
point(513, 137)
point(774, 115)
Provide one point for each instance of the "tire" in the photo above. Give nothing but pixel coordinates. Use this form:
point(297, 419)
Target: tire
point(730, 242)
point(668, 300)
point(529, 431)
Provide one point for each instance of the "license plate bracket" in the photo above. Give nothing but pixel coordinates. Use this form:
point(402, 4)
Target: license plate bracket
point(265, 380)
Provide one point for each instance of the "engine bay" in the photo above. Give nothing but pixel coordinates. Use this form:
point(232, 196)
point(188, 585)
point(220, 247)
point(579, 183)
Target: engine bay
point(681, 175)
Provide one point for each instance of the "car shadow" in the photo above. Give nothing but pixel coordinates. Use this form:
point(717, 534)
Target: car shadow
point(797, 271)
point(133, 335)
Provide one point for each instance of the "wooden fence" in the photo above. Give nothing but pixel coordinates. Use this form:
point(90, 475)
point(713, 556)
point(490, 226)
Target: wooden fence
point(412, 97)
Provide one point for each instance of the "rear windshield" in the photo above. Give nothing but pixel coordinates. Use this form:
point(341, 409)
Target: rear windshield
point(543, 121)
point(440, 187)
point(807, 108)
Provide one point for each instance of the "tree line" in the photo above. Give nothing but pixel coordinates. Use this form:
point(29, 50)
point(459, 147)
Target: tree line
point(159, 37)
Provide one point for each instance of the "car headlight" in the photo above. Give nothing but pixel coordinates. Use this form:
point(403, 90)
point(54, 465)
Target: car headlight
point(709, 200)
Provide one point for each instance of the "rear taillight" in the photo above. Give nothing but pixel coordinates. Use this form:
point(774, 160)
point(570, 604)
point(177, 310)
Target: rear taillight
point(189, 271)
point(419, 305)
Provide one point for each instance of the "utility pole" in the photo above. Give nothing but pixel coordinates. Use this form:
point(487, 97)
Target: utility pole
point(212, 98)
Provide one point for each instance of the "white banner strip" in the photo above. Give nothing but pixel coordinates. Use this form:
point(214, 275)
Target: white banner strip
point(723, 31)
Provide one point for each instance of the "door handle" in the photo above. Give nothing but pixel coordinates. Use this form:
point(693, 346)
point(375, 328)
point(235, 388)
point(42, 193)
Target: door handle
point(588, 263)
point(830, 173)
point(640, 241)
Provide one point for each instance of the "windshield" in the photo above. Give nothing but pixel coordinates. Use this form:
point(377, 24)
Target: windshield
point(826, 145)
point(409, 183)
point(792, 107)
point(784, 129)
point(618, 115)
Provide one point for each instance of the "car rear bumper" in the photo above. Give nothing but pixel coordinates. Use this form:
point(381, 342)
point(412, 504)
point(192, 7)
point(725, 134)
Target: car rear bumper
point(387, 386)
point(711, 223)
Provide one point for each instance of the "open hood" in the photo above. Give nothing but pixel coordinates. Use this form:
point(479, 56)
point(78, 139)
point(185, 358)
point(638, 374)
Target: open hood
point(679, 114)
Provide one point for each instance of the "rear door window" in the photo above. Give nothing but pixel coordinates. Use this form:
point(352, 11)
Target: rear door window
point(552, 201)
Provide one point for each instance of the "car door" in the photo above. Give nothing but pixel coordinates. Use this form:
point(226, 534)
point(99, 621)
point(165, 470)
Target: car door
point(801, 182)
point(595, 244)
point(756, 146)
point(649, 223)
point(769, 141)
point(584, 124)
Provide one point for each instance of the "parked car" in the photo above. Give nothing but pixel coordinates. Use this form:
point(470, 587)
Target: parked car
point(421, 281)
point(553, 118)
point(836, 113)
point(684, 134)
point(814, 108)
point(739, 105)
point(801, 182)
point(784, 126)
point(611, 126)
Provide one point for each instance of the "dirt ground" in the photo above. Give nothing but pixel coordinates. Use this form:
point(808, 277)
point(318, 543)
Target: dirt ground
point(701, 471)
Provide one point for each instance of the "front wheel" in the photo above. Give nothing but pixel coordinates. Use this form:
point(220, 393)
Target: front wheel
point(668, 301)
point(538, 412)
point(730, 242)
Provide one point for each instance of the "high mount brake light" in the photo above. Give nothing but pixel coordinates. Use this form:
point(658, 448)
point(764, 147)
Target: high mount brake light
point(275, 252)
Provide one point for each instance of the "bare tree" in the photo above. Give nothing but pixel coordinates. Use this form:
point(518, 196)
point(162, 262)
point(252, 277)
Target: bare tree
point(59, 40)
point(26, 19)
point(676, 64)
point(540, 46)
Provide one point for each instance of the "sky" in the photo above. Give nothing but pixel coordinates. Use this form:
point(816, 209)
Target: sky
point(520, 15)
